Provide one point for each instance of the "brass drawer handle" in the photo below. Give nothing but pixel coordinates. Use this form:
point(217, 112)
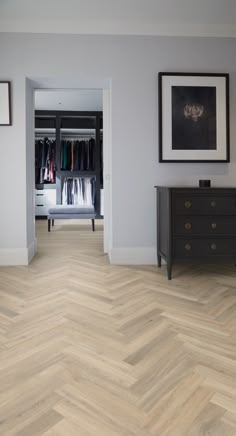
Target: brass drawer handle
point(213, 246)
point(188, 247)
point(188, 204)
point(213, 204)
point(213, 226)
point(188, 226)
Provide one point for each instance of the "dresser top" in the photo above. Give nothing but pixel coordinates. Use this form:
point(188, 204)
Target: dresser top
point(197, 189)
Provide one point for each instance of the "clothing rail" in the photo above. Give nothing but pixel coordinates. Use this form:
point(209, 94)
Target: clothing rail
point(80, 138)
point(65, 136)
point(40, 137)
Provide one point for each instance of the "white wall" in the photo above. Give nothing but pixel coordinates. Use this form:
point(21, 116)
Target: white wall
point(69, 100)
point(123, 17)
point(13, 239)
point(132, 63)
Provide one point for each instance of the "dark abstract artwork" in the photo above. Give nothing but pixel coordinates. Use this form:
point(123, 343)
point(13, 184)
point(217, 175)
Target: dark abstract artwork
point(193, 118)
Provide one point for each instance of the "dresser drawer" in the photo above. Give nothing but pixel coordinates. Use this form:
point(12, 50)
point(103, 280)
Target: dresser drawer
point(41, 210)
point(39, 201)
point(202, 248)
point(203, 204)
point(50, 194)
point(204, 225)
point(45, 196)
point(39, 193)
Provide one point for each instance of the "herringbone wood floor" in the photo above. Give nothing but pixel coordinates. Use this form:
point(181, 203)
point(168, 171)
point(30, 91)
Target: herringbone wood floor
point(89, 349)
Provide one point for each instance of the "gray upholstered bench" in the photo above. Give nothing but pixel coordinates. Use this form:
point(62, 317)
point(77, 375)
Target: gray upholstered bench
point(70, 212)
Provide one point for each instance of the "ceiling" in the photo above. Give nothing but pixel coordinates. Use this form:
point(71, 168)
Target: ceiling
point(138, 17)
point(73, 100)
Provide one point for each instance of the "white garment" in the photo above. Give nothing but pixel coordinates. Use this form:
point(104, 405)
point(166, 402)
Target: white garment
point(64, 192)
point(79, 197)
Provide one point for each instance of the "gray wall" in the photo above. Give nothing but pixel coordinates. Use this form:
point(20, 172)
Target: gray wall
point(132, 64)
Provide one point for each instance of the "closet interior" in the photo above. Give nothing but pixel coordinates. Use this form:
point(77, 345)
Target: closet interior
point(68, 159)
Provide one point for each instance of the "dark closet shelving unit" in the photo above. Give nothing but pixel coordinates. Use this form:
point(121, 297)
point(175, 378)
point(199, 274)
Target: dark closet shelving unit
point(60, 120)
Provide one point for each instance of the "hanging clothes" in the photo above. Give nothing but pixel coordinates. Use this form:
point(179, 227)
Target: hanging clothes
point(45, 161)
point(78, 154)
point(79, 191)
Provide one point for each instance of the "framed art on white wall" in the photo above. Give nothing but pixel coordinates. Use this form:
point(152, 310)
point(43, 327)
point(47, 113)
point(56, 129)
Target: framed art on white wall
point(5, 104)
point(193, 117)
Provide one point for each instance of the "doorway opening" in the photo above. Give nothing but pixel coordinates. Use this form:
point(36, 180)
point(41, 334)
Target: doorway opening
point(70, 160)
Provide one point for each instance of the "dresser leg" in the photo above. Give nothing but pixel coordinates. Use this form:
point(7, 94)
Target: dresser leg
point(159, 260)
point(169, 270)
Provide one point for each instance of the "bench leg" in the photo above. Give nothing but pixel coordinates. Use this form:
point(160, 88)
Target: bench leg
point(93, 224)
point(52, 223)
point(49, 224)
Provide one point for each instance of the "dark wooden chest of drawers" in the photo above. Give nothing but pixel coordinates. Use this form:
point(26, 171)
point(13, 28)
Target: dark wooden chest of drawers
point(196, 224)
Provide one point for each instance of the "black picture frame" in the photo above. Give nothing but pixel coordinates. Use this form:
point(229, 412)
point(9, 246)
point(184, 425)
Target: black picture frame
point(182, 117)
point(5, 103)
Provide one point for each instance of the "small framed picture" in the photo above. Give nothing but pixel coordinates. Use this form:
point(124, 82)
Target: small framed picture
point(5, 104)
point(193, 117)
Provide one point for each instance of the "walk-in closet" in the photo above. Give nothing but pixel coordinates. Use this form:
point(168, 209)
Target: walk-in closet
point(68, 150)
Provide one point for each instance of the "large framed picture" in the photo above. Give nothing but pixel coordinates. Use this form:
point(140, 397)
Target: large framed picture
point(5, 104)
point(193, 117)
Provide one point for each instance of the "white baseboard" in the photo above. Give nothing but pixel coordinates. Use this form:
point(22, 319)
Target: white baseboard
point(133, 256)
point(17, 256)
point(32, 250)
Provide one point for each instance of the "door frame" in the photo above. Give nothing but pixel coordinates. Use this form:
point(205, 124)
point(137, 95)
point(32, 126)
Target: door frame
point(48, 84)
